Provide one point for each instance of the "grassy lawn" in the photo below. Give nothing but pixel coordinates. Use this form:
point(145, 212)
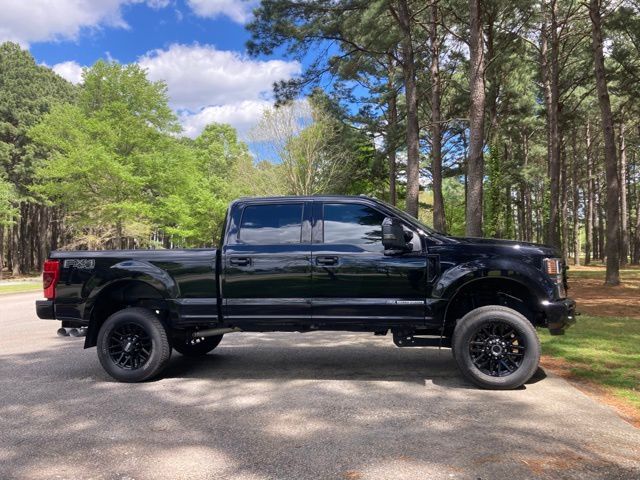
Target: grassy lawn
point(21, 287)
point(603, 350)
point(598, 273)
point(603, 347)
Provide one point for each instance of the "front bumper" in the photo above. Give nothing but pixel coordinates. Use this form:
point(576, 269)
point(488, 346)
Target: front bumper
point(44, 309)
point(561, 314)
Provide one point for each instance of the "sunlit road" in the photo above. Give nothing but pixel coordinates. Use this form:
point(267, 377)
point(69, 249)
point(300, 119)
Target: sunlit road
point(289, 406)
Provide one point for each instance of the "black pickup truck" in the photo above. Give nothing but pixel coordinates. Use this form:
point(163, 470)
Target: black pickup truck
point(316, 263)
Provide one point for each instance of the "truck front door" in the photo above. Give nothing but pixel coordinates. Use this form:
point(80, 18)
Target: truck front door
point(266, 264)
point(354, 282)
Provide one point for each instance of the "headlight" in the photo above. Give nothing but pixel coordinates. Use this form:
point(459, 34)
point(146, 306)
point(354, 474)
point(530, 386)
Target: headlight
point(555, 269)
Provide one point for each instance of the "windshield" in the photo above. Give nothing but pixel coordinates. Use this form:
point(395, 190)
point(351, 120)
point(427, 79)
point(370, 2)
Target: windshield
point(410, 219)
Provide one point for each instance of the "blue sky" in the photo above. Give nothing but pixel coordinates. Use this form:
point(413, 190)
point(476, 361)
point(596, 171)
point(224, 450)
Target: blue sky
point(147, 29)
point(196, 46)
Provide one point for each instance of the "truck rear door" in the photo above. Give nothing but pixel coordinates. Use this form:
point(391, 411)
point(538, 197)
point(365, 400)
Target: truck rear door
point(266, 264)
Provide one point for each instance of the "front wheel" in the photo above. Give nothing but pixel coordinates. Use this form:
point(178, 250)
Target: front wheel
point(496, 347)
point(133, 345)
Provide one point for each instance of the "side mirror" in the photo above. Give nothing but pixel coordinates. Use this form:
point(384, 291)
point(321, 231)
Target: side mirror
point(394, 238)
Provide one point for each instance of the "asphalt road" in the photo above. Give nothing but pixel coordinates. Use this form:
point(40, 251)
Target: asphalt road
point(289, 406)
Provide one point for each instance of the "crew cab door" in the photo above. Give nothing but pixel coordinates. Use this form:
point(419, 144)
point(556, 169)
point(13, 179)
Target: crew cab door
point(266, 264)
point(354, 282)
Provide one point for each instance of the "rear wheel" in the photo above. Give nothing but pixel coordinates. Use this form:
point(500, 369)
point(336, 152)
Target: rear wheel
point(197, 347)
point(133, 345)
point(496, 347)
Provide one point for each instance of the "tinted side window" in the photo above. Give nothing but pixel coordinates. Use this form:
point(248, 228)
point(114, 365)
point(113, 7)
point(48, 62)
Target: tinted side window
point(271, 224)
point(352, 224)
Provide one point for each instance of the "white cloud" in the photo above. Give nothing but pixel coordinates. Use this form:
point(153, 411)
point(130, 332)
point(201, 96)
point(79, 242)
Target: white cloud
point(157, 4)
point(241, 115)
point(206, 85)
point(46, 20)
point(69, 70)
point(237, 10)
point(200, 75)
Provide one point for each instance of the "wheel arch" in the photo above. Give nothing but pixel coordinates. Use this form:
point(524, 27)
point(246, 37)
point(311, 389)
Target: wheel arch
point(118, 295)
point(483, 290)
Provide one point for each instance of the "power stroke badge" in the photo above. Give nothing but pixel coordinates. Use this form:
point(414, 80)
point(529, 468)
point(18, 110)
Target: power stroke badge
point(80, 263)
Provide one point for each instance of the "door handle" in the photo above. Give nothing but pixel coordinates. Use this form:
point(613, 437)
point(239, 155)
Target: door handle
point(240, 261)
point(326, 260)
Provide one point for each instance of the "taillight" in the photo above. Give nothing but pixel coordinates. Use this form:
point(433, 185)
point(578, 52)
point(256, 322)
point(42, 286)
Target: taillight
point(50, 277)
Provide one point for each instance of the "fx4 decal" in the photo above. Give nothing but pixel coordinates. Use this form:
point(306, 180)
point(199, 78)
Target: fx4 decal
point(81, 263)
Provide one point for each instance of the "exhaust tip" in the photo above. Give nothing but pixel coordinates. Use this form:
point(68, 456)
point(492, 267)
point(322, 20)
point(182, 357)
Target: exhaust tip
point(78, 332)
point(62, 332)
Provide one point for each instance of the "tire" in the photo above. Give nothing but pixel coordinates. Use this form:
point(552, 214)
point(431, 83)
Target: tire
point(496, 347)
point(133, 345)
point(197, 349)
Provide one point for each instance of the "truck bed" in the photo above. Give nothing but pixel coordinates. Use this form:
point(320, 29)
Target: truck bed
point(183, 278)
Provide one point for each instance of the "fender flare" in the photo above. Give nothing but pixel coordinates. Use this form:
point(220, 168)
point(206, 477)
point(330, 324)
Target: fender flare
point(452, 281)
point(129, 271)
point(454, 278)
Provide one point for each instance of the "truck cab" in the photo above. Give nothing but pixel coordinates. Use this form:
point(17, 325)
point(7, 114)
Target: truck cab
point(317, 263)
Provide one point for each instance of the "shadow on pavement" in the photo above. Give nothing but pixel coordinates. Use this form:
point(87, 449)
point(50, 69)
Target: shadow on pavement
point(283, 406)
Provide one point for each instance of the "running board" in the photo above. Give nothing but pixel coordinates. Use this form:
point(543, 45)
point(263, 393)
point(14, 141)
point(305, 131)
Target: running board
point(405, 339)
point(212, 332)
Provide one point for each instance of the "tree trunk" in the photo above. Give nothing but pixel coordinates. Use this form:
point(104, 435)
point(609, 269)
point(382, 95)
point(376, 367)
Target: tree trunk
point(597, 228)
point(635, 245)
point(411, 95)
point(601, 223)
point(15, 248)
point(636, 249)
point(611, 163)
point(1, 250)
point(539, 206)
point(526, 194)
point(56, 217)
point(576, 203)
point(391, 140)
point(624, 225)
point(564, 207)
point(119, 235)
point(393, 196)
point(439, 220)
point(551, 80)
point(475, 165)
point(34, 213)
point(8, 261)
point(588, 217)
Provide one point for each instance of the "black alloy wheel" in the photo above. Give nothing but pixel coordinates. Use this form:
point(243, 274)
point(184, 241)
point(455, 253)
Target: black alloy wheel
point(497, 349)
point(133, 345)
point(130, 346)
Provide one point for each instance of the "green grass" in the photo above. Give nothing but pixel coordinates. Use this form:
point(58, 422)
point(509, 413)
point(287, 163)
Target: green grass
point(603, 350)
point(21, 287)
point(625, 274)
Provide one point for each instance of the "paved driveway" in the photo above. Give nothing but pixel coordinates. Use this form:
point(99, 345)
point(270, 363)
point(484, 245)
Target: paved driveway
point(319, 405)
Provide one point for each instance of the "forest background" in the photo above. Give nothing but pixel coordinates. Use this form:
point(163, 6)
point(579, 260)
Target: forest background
point(484, 118)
